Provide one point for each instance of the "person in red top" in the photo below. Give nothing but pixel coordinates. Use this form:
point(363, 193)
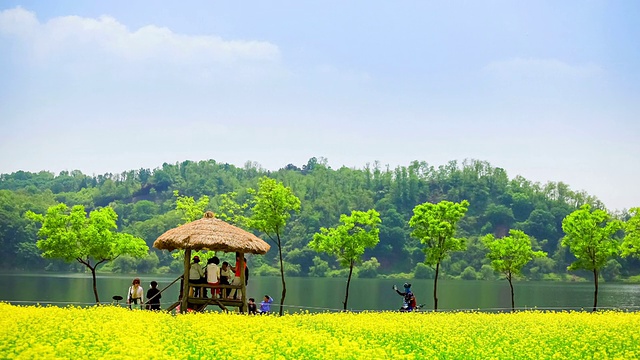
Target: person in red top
point(236, 279)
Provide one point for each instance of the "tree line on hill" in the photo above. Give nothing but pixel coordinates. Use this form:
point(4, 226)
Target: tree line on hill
point(145, 203)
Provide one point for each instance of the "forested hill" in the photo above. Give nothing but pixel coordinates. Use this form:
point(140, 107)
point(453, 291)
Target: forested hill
point(145, 204)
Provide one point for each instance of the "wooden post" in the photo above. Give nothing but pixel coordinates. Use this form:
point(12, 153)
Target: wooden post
point(243, 284)
point(185, 286)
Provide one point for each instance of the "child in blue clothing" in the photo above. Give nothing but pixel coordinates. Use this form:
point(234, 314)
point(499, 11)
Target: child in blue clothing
point(265, 305)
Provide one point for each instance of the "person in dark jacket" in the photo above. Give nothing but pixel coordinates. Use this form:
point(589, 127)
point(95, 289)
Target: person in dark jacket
point(253, 309)
point(153, 297)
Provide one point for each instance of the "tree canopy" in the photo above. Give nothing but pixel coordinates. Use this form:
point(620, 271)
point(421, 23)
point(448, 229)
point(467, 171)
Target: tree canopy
point(273, 205)
point(435, 226)
point(590, 238)
point(348, 241)
point(510, 254)
point(146, 207)
point(71, 235)
point(631, 243)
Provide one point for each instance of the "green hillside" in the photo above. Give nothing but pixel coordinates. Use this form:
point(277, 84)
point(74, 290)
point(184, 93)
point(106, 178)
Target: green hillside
point(145, 203)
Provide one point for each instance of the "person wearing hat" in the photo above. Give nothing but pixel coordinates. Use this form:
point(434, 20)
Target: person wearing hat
point(410, 303)
point(196, 276)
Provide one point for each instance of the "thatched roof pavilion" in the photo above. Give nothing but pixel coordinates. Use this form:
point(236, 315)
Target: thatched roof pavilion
point(210, 234)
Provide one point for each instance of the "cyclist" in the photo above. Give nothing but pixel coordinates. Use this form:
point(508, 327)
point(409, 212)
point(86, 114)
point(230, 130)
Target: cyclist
point(409, 303)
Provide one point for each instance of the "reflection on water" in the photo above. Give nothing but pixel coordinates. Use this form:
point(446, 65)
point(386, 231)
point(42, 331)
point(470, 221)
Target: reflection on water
point(320, 294)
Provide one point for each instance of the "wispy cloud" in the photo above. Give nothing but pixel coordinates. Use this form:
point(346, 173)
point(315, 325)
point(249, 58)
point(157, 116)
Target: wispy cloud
point(73, 36)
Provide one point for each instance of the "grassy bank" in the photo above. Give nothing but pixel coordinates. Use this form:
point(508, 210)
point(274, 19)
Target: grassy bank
point(117, 333)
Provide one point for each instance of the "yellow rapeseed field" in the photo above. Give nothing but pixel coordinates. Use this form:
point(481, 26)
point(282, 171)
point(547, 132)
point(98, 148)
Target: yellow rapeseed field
point(107, 332)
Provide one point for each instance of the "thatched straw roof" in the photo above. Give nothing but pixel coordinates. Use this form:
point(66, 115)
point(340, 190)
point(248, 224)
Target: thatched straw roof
point(212, 234)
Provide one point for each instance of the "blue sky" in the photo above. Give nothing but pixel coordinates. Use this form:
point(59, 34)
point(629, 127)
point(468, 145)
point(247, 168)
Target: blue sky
point(548, 90)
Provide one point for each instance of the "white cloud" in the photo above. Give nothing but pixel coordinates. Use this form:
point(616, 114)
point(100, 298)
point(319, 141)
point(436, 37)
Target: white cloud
point(105, 36)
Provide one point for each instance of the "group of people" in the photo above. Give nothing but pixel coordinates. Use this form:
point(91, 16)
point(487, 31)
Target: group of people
point(265, 306)
point(135, 295)
point(214, 274)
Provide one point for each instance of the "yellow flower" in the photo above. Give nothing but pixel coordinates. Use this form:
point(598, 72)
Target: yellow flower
point(111, 332)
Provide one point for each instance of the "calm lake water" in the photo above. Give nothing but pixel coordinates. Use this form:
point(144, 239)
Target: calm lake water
point(320, 294)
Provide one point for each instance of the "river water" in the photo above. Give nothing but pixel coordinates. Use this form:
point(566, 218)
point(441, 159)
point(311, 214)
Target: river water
point(327, 294)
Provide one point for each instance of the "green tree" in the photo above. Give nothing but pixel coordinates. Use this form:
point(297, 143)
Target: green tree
point(17, 237)
point(70, 234)
point(144, 202)
point(348, 240)
point(501, 217)
point(369, 268)
point(631, 243)
point(435, 226)
point(319, 268)
point(611, 270)
point(231, 211)
point(510, 254)
point(469, 273)
point(486, 272)
point(143, 210)
point(590, 237)
point(541, 225)
point(422, 271)
point(189, 208)
point(273, 205)
point(540, 267)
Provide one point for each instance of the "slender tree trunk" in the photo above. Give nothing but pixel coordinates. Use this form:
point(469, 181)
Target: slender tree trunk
point(346, 295)
point(95, 286)
point(435, 288)
point(284, 285)
point(185, 284)
point(595, 295)
point(513, 303)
